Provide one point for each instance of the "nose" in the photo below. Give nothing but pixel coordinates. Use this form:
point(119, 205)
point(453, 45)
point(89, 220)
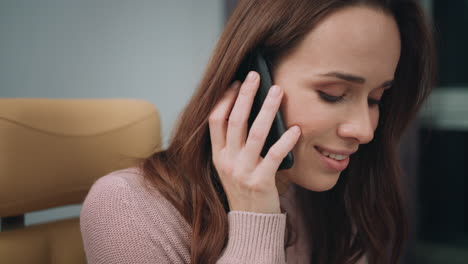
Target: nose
point(358, 125)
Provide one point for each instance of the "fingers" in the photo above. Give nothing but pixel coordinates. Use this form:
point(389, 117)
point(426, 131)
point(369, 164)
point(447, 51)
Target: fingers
point(270, 164)
point(248, 180)
point(217, 120)
point(262, 124)
point(237, 124)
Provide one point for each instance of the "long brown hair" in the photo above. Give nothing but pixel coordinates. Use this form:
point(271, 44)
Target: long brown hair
point(363, 213)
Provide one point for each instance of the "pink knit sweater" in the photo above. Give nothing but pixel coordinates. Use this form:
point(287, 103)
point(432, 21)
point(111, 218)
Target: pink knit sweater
point(125, 220)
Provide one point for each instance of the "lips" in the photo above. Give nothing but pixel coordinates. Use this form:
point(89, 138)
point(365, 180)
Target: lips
point(333, 155)
point(335, 161)
point(334, 151)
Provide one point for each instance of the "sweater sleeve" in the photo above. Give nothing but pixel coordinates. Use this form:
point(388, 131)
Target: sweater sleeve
point(113, 230)
point(255, 238)
point(120, 224)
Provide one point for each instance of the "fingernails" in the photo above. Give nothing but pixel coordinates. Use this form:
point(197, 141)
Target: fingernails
point(275, 90)
point(252, 76)
point(296, 129)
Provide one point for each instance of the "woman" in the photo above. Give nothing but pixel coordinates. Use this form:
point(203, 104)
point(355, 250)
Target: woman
point(349, 76)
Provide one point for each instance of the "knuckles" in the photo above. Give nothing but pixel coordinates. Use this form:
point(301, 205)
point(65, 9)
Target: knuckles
point(275, 155)
point(215, 118)
point(236, 121)
point(226, 170)
point(253, 186)
point(256, 135)
point(240, 177)
point(247, 90)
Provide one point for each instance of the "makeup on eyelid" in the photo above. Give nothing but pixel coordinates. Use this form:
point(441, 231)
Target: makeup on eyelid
point(339, 89)
point(335, 97)
point(352, 79)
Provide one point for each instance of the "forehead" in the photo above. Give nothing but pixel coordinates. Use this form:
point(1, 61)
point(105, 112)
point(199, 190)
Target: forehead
point(360, 40)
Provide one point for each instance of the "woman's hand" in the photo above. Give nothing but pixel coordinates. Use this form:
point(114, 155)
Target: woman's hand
point(247, 178)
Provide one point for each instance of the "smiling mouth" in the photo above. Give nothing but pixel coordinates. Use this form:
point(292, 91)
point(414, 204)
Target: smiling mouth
point(335, 162)
point(334, 156)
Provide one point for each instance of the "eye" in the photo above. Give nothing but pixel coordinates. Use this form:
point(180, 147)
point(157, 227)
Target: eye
point(374, 102)
point(330, 98)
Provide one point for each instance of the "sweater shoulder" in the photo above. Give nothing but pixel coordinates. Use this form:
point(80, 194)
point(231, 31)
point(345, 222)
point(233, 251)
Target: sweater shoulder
point(129, 186)
point(123, 204)
point(129, 179)
point(122, 184)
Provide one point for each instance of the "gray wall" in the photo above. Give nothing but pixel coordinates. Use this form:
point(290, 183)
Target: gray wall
point(149, 49)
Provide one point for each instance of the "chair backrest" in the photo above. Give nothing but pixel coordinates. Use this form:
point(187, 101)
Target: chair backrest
point(51, 152)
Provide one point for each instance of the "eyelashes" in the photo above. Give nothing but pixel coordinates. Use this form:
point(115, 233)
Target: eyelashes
point(330, 98)
point(337, 99)
point(374, 102)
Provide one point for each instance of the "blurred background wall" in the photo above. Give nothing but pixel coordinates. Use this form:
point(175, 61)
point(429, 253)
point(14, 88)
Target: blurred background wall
point(442, 222)
point(150, 49)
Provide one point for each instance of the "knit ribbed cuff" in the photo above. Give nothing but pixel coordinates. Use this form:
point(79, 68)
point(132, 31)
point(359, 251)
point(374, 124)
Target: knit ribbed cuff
point(256, 237)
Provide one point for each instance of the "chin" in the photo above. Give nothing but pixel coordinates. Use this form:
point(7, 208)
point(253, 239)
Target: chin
point(319, 182)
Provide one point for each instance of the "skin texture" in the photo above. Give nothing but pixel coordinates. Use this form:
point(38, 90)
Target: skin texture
point(361, 41)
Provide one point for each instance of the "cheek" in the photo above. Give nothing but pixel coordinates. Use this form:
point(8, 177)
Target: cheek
point(305, 110)
point(313, 116)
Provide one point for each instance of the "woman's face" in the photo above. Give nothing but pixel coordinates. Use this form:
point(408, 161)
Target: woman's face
point(332, 82)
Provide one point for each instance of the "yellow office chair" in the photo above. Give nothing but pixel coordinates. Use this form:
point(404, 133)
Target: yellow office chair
point(51, 152)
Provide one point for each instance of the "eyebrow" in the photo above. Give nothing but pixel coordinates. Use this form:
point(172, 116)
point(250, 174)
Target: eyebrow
point(354, 78)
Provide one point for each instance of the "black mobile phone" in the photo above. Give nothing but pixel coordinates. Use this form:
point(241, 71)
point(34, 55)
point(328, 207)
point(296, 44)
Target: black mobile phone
point(256, 62)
